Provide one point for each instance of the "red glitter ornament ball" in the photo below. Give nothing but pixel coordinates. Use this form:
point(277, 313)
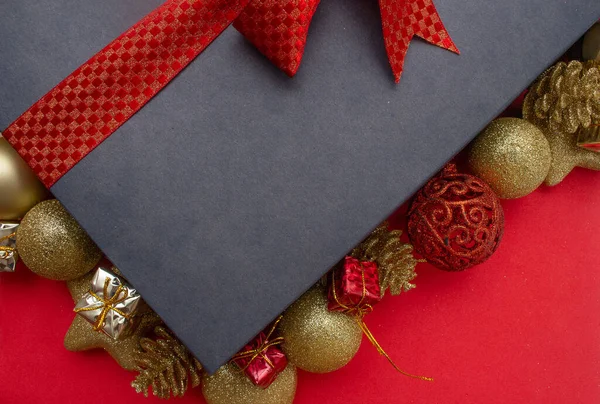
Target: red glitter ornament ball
point(455, 221)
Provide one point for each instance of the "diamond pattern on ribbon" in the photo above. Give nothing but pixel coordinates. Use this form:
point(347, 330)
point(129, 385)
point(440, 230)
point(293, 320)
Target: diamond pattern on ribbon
point(278, 28)
point(97, 98)
point(402, 20)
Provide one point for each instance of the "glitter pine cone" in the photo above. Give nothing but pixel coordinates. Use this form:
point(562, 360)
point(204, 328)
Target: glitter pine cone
point(566, 97)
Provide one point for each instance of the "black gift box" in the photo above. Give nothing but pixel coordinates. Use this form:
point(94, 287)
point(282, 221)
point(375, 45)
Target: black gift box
point(236, 188)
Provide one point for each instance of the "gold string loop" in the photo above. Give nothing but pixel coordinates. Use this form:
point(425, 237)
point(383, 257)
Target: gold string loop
point(359, 310)
point(260, 351)
point(121, 294)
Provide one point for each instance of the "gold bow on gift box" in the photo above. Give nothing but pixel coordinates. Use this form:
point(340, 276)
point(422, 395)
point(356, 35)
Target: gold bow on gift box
point(110, 305)
point(8, 247)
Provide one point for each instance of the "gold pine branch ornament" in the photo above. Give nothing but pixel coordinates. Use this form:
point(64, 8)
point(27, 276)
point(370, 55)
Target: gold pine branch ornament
point(166, 366)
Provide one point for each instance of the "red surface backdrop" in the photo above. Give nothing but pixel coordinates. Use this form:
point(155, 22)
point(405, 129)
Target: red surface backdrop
point(522, 328)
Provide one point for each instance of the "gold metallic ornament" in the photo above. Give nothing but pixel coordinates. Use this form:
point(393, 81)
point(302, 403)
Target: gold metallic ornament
point(82, 337)
point(512, 156)
point(591, 43)
point(565, 97)
point(231, 386)
point(20, 189)
point(53, 245)
point(566, 155)
point(316, 339)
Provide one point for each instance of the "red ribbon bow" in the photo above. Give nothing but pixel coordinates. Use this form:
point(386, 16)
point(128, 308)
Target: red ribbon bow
point(279, 28)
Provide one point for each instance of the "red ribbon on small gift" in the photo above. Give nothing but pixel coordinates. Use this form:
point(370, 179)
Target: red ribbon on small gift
point(265, 347)
point(96, 99)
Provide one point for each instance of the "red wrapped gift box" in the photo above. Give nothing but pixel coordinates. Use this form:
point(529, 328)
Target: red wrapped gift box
point(354, 286)
point(261, 360)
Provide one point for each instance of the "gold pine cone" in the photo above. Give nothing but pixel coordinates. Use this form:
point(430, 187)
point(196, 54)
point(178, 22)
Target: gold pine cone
point(566, 97)
point(394, 259)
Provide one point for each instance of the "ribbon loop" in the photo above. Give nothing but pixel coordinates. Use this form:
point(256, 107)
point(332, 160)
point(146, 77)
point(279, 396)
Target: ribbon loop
point(279, 29)
point(5, 250)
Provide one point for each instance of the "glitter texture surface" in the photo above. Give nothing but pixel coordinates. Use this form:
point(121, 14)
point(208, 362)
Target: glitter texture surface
point(82, 337)
point(317, 340)
point(53, 245)
point(566, 155)
point(231, 386)
point(512, 156)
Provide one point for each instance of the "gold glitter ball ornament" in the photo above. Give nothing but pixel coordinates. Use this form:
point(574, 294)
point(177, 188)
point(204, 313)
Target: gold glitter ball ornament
point(231, 386)
point(53, 245)
point(591, 43)
point(316, 339)
point(20, 189)
point(512, 156)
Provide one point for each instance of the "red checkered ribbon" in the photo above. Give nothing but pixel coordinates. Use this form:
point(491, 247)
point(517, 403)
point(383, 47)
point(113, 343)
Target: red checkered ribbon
point(279, 28)
point(96, 99)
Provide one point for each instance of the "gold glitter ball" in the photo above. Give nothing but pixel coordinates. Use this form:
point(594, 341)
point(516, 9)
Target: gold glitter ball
point(20, 189)
point(53, 245)
point(316, 339)
point(591, 43)
point(231, 386)
point(512, 156)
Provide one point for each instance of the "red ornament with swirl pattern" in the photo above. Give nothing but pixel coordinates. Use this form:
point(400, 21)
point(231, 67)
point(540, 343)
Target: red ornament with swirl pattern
point(455, 221)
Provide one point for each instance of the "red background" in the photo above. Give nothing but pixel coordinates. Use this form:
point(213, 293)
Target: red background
point(522, 328)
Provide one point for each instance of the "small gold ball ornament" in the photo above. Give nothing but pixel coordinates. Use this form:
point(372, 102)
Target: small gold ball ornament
point(20, 189)
point(591, 43)
point(512, 156)
point(53, 245)
point(316, 339)
point(231, 386)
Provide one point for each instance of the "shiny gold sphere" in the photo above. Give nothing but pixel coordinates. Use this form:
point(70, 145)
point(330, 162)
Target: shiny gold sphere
point(591, 43)
point(231, 386)
point(316, 339)
point(511, 155)
point(53, 245)
point(20, 189)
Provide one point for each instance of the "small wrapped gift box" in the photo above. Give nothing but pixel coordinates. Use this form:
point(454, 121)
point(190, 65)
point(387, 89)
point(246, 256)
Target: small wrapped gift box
point(354, 285)
point(589, 138)
point(8, 244)
point(110, 305)
point(261, 359)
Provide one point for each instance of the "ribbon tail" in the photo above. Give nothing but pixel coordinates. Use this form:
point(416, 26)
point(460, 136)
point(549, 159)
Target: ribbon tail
point(278, 29)
point(402, 20)
point(382, 352)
